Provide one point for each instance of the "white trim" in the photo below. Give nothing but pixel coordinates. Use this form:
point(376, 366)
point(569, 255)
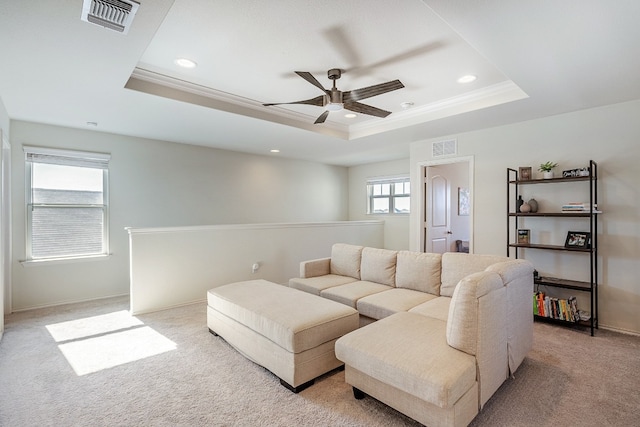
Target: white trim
point(619, 330)
point(388, 178)
point(6, 226)
point(150, 81)
point(64, 260)
point(496, 94)
point(57, 304)
point(418, 193)
point(66, 153)
point(199, 228)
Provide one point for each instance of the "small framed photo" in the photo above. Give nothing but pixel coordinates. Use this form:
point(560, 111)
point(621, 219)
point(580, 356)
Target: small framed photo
point(523, 236)
point(578, 240)
point(524, 173)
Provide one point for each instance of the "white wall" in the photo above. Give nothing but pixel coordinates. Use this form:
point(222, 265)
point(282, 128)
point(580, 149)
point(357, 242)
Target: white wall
point(161, 184)
point(177, 266)
point(396, 228)
point(610, 136)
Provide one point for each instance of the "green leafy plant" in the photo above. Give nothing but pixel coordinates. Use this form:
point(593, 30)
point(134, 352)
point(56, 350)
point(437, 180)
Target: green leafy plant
point(546, 167)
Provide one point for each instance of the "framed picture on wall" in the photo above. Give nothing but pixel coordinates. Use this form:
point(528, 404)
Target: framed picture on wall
point(463, 201)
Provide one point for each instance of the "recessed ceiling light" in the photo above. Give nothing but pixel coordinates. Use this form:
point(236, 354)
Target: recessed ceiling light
point(350, 116)
point(185, 63)
point(406, 105)
point(94, 124)
point(275, 150)
point(467, 79)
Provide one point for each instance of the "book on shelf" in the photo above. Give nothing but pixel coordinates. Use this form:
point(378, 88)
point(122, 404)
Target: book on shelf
point(580, 207)
point(556, 308)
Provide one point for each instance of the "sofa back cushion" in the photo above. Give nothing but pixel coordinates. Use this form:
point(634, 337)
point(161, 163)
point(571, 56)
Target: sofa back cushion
point(456, 266)
point(379, 266)
point(464, 310)
point(419, 271)
point(345, 260)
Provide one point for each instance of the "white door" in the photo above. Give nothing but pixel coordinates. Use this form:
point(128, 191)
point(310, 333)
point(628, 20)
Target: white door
point(437, 209)
point(442, 220)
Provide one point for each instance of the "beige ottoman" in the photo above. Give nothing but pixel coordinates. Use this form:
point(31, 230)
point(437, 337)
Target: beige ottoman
point(289, 332)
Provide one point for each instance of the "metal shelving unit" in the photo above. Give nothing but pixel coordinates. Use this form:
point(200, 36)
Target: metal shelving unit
point(591, 287)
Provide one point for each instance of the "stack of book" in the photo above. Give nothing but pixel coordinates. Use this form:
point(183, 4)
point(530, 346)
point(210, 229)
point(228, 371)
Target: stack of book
point(579, 207)
point(555, 308)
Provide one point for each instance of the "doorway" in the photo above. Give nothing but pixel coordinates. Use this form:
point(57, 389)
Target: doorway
point(447, 206)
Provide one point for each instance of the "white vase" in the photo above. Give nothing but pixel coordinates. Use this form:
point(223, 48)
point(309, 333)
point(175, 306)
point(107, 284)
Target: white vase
point(547, 174)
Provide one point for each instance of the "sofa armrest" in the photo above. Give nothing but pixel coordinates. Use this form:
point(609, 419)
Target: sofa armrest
point(315, 268)
point(477, 325)
point(517, 276)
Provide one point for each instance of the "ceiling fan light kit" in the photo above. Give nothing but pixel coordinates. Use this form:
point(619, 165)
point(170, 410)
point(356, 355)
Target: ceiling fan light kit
point(335, 100)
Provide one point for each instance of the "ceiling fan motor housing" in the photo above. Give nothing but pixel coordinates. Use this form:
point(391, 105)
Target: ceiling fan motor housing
point(334, 96)
point(334, 73)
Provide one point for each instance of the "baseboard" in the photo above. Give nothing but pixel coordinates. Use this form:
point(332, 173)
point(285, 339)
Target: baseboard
point(169, 307)
point(619, 330)
point(57, 304)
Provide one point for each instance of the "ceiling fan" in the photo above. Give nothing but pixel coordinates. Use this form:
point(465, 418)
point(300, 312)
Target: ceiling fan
point(335, 100)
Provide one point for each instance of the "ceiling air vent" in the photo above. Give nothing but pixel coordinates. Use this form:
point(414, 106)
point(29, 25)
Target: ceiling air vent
point(112, 14)
point(444, 148)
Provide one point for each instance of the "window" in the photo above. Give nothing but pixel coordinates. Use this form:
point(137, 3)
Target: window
point(67, 204)
point(388, 196)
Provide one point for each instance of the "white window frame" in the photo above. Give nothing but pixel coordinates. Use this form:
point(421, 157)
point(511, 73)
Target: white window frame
point(66, 158)
point(391, 196)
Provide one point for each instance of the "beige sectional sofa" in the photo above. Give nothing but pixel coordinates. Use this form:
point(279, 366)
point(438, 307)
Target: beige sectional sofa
point(439, 332)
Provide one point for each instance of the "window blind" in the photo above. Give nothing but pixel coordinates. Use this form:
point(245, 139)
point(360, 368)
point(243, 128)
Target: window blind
point(67, 158)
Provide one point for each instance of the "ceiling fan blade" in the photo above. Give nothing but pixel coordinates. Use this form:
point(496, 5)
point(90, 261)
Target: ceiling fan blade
point(309, 77)
point(368, 92)
point(366, 109)
point(322, 117)
point(317, 101)
point(338, 37)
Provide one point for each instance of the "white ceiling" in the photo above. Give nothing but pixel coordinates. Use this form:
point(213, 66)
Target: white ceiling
point(533, 58)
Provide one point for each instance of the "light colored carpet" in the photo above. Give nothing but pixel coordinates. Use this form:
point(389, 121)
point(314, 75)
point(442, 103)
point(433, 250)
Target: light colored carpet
point(64, 366)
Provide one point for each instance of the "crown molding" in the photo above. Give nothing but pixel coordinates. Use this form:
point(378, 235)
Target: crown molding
point(158, 84)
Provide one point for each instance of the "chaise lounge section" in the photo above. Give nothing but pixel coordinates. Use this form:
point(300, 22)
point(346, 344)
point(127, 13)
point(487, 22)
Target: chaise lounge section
point(290, 333)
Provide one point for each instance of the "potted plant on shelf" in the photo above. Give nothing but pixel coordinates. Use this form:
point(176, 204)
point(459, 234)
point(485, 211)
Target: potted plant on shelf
point(547, 169)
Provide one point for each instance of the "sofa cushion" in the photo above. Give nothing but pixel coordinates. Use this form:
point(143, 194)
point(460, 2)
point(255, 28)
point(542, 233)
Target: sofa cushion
point(410, 352)
point(456, 266)
point(419, 271)
point(307, 322)
point(345, 260)
point(379, 266)
point(386, 303)
point(437, 308)
point(350, 293)
point(462, 325)
point(314, 285)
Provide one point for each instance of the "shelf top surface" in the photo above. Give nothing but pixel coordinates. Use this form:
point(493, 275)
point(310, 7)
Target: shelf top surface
point(552, 180)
